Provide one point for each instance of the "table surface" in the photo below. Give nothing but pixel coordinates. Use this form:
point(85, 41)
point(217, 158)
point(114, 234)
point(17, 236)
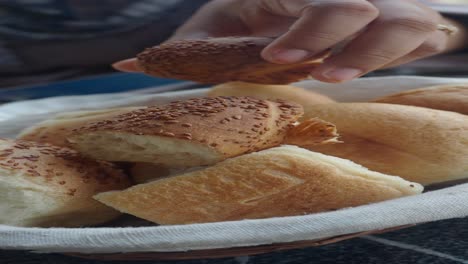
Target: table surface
point(439, 242)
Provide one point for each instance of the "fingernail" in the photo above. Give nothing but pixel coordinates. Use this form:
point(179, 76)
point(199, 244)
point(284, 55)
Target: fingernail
point(341, 74)
point(288, 55)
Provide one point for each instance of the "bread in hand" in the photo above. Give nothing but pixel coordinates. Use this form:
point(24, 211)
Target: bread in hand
point(449, 97)
point(418, 144)
point(219, 60)
point(191, 133)
point(281, 181)
point(44, 185)
point(55, 131)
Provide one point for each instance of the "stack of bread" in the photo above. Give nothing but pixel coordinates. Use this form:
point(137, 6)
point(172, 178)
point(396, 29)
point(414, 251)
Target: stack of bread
point(251, 148)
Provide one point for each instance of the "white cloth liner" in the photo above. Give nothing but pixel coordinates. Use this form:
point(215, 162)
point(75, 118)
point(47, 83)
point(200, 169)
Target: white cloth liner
point(432, 206)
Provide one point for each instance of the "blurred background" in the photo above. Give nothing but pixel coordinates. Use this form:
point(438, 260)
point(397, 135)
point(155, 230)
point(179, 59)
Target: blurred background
point(63, 47)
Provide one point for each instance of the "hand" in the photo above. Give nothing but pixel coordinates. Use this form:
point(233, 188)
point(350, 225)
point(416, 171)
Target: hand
point(381, 33)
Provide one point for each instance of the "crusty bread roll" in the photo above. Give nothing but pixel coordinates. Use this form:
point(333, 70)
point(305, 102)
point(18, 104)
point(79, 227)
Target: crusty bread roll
point(418, 144)
point(270, 92)
point(194, 132)
point(44, 185)
point(56, 130)
point(448, 97)
point(282, 181)
point(308, 133)
point(219, 60)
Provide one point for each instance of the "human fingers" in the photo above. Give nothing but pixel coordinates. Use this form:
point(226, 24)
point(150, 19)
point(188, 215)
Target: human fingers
point(435, 44)
point(401, 28)
point(321, 24)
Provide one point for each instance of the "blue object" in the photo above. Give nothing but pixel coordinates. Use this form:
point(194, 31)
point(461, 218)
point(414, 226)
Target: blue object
point(109, 83)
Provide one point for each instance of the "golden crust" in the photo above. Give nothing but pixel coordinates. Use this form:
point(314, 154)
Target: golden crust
point(281, 181)
point(59, 167)
point(451, 97)
point(219, 60)
point(311, 132)
point(419, 144)
point(45, 185)
point(229, 126)
point(56, 131)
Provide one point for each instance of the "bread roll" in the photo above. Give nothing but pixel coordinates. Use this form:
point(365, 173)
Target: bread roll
point(443, 97)
point(44, 185)
point(189, 133)
point(282, 181)
point(270, 92)
point(56, 130)
point(308, 133)
point(418, 144)
point(219, 60)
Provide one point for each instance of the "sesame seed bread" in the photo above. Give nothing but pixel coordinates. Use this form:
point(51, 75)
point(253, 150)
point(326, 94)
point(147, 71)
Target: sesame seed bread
point(307, 133)
point(418, 144)
point(270, 92)
point(44, 185)
point(443, 97)
point(195, 132)
point(56, 130)
point(219, 60)
point(281, 181)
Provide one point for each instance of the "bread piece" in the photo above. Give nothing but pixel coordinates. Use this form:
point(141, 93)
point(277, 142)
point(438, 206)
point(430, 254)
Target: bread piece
point(312, 132)
point(189, 133)
point(44, 185)
point(56, 130)
point(418, 144)
point(270, 92)
point(308, 133)
point(219, 60)
point(448, 97)
point(282, 181)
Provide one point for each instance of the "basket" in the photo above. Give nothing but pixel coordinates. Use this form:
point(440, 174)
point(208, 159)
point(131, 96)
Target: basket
point(229, 252)
point(204, 241)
